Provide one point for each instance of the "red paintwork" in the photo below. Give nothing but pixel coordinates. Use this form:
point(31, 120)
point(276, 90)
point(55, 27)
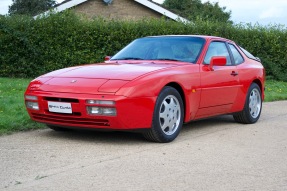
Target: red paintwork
point(135, 85)
point(107, 58)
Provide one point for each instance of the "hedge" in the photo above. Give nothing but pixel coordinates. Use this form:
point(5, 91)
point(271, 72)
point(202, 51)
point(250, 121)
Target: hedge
point(31, 47)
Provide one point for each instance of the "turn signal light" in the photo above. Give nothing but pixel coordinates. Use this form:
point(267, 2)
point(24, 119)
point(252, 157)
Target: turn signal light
point(35, 98)
point(100, 102)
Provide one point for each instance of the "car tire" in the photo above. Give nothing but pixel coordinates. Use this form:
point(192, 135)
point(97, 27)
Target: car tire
point(167, 118)
point(57, 128)
point(252, 107)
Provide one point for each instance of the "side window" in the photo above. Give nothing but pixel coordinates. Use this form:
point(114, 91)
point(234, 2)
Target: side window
point(238, 59)
point(217, 49)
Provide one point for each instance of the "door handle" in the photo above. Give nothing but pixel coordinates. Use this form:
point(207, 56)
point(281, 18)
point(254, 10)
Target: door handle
point(233, 73)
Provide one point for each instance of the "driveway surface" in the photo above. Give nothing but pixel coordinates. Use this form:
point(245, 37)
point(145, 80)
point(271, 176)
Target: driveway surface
point(212, 154)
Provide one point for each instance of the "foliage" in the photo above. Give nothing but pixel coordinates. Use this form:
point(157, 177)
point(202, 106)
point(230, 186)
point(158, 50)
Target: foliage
point(30, 7)
point(32, 47)
point(196, 10)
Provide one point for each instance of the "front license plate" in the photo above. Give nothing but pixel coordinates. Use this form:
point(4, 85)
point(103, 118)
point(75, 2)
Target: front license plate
point(59, 107)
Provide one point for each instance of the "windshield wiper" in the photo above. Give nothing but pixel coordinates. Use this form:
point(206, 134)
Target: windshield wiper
point(128, 58)
point(169, 59)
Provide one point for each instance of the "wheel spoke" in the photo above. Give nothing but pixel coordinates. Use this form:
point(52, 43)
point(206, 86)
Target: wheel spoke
point(165, 126)
point(164, 107)
point(252, 111)
point(172, 102)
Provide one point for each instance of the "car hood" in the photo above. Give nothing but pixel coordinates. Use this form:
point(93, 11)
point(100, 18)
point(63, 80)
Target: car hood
point(110, 70)
point(98, 78)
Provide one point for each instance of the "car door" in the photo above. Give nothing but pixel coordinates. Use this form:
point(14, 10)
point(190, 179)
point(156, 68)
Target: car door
point(219, 85)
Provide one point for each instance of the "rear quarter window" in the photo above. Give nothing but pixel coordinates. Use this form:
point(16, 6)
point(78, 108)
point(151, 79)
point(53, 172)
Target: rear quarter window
point(238, 59)
point(248, 54)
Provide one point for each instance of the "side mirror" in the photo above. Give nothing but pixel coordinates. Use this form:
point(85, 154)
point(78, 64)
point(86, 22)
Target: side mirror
point(107, 58)
point(217, 61)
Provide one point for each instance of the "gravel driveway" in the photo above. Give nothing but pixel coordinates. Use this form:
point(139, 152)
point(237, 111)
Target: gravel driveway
point(212, 154)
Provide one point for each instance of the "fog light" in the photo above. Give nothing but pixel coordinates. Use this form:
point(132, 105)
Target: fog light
point(93, 110)
point(31, 97)
point(109, 111)
point(32, 105)
point(100, 102)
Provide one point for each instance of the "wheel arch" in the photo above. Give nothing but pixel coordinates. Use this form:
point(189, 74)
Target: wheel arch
point(181, 92)
point(259, 83)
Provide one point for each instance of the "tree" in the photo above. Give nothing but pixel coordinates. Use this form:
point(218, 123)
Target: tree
point(30, 7)
point(195, 9)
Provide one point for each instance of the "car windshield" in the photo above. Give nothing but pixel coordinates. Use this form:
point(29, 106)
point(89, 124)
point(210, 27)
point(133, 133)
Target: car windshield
point(181, 48)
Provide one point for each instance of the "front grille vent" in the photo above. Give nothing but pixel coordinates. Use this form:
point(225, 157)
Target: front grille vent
point(63, 114)
point(70, 121)
point(69, 100)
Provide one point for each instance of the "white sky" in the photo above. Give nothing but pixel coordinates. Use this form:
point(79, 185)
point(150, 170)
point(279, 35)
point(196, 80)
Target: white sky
point(262, 11)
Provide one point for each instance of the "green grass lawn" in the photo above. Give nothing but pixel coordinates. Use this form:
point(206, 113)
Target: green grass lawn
point(13, 115)
point(275, 90)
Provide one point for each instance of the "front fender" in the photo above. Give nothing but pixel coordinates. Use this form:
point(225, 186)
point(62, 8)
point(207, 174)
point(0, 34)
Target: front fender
point(186, 77)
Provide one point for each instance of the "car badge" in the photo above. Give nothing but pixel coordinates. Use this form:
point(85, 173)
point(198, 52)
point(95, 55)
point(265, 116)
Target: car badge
point(73, 81)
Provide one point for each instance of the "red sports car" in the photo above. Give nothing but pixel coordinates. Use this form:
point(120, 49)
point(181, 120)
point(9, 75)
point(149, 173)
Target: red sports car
point(155, 84)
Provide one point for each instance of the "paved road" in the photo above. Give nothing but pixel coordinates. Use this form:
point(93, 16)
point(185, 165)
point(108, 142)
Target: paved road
point(214, 154)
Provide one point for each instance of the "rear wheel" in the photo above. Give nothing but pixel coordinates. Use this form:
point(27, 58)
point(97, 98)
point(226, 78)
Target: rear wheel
point(252, 108)
point(167, 117)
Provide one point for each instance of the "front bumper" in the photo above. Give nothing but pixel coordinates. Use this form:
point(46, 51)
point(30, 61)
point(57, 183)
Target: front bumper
point(132, 113)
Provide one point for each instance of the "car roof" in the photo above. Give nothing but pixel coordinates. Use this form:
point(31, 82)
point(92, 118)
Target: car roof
point(200, 36)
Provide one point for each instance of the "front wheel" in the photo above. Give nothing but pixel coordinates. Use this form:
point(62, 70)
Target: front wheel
point(252, 108)
point(167, 117)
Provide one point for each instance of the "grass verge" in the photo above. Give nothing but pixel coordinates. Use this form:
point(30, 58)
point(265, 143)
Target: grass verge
point(13, 115)
point(275, 90)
